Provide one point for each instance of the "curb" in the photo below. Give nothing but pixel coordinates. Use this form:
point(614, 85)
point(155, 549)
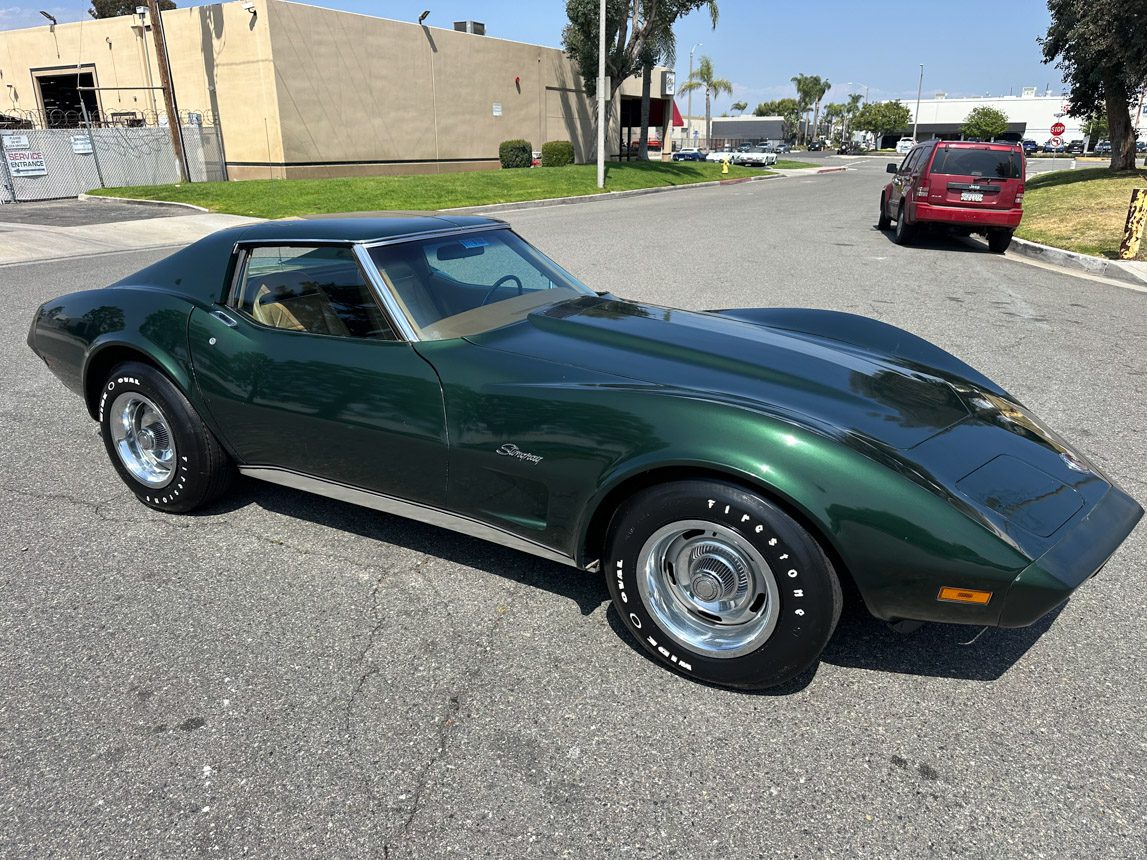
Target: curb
point(106, 197)
point(608, 195)
point(1098, 266)
point(831, 170)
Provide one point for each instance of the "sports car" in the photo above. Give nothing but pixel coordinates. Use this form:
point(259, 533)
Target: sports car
point(724, 470)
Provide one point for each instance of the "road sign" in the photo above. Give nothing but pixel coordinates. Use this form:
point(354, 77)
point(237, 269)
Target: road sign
point(1056, 141)
point(1058, 129)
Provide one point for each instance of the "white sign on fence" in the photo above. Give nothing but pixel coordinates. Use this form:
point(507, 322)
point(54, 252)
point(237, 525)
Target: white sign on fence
point(16, 141)
point(25, 162)
point(81, 144)
point(497, 108)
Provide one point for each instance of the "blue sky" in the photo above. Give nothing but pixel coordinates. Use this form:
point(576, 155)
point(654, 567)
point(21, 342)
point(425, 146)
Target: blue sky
point(968, 47)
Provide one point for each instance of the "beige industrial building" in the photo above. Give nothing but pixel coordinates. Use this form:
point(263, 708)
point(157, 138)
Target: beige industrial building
point(301, 91)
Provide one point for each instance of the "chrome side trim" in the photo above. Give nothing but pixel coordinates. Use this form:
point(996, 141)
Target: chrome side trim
point(434, 234)
point(385, 297)
point(399, 507)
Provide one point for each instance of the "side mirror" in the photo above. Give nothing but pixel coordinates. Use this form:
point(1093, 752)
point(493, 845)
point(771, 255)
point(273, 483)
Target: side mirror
point(891, 168)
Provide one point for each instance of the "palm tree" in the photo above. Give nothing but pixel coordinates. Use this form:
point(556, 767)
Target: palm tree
point(805, 85)
point(704, 78)
point(851, 109)
point(661, 47)
point(818, 90)
point(740, 107)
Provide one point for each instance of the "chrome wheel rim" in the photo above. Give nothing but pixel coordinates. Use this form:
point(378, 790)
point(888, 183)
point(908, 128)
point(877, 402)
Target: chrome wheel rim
point(708, 588)
point(142, 439)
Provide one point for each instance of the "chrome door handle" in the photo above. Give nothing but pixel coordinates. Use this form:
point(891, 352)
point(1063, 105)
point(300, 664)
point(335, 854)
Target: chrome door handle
point(226, 319)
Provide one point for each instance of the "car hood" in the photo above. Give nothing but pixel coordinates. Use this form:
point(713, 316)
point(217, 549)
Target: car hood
point(813, 380)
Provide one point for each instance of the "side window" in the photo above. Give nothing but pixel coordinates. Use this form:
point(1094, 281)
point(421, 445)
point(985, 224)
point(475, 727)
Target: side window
point(316, 290)
point(912, 160)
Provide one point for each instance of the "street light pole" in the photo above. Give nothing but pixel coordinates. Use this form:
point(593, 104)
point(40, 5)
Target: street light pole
point(601, 98)
point(919, 90)
point(689, 106)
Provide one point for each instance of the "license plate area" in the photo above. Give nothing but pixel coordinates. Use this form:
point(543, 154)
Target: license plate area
point(972, 196)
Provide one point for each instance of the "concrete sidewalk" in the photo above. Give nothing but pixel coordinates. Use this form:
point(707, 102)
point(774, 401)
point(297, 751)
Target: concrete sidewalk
point(25, 242)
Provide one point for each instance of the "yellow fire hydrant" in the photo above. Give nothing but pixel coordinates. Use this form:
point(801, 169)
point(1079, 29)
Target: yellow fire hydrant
point(724, 165)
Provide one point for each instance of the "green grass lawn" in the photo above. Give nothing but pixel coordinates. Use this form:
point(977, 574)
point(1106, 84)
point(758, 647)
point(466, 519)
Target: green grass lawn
point(276, 198)
point(1080, 210)
point(787, 164)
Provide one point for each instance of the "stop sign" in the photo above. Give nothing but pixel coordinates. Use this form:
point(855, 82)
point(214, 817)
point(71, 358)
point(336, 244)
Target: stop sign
point(1058, 129)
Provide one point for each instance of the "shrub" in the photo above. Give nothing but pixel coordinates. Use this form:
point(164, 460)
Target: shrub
point(557, 153)
point(515, 153)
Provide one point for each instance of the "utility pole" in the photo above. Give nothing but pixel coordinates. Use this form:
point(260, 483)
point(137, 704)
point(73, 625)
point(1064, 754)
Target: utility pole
point(601, 85)
point(915, 116)
point(689, 107)
point(169, 104)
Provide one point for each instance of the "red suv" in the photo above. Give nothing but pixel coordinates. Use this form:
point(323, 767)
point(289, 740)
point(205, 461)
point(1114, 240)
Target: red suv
point(968, 187)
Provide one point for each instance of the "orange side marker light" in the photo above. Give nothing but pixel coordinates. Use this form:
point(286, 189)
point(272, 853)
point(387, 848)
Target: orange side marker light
point(964, 595)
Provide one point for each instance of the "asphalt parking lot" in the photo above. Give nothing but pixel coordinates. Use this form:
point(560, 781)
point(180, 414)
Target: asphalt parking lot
point(287, 676)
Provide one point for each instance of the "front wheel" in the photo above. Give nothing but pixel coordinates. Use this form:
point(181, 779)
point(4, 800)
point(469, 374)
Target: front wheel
point(157, 443)
point(883, 222)
point(998, 240)
point(721, 585)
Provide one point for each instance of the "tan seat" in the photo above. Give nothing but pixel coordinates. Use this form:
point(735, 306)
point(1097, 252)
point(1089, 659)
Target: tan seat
point(411, 290)
point(309, 312)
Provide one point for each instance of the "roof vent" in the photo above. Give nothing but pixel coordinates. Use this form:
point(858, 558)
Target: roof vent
point(475, 27)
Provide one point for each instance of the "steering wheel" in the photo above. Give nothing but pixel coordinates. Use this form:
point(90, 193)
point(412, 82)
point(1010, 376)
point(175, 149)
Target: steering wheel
point(502, 280)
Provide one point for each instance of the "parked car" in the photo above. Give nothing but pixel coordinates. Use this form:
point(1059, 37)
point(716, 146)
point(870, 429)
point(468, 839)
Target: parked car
point(1141, 146)
point(1103, 147)
point(723, 470)
point(967, 187)
point(758, 156)
point(1050, 146)
point(720, 155)
point(1030, 146)
point(816, 146)
point(688, 155)
point(904, 145)
point(782, 148)
point(1075, 147)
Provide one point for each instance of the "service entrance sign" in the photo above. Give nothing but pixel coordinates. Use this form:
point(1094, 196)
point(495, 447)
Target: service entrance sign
point(25, 162)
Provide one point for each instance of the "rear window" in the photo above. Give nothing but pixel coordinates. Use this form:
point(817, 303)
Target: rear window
point(953, 161)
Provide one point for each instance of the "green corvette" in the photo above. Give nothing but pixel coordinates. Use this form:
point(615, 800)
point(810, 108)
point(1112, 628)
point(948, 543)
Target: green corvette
point(724, 470)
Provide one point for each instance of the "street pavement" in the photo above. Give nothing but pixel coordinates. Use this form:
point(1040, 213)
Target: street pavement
point(287, 676)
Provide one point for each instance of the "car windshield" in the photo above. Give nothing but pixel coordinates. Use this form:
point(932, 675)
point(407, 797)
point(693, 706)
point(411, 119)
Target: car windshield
point(957, 161)
point(470, 283)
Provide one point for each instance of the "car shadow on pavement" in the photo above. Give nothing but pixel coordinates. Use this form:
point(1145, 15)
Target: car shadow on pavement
point(937, 650)
point(860, 641)
point(940, 240)
point(587, 590)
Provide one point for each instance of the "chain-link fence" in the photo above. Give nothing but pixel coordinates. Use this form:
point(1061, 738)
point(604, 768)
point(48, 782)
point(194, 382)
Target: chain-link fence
point(41, 162)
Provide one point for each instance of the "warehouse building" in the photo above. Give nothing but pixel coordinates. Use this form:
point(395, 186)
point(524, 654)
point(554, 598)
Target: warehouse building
point(301, 91)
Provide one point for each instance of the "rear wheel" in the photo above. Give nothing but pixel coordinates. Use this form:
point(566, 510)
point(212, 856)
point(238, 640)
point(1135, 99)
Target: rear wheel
point(998, 240)
point(904, 232)
point(883, 222)
point(157, 443)
point(719, 584)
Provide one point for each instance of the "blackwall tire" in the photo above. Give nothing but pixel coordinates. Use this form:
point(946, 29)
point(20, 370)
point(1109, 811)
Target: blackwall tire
point(884, 222)
point(157, 443)
point(904, 232)
point(998, 240)
point(720, 584)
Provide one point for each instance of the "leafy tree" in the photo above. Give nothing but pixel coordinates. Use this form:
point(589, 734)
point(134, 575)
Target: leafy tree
point(820, 88)
point(740, 107)
point(985, 122)
point(786, 109)
point(114, 8)
point(1095, 129)
point(834, 114)
point(1101, 46)
point(879, 118)
point(661, 47)
point(704, 78)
